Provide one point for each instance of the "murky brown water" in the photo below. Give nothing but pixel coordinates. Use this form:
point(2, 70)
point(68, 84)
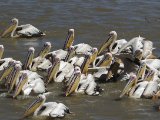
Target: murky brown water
point(92, 21)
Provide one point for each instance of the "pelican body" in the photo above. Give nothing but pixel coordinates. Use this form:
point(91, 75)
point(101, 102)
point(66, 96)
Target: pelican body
point(22, 31)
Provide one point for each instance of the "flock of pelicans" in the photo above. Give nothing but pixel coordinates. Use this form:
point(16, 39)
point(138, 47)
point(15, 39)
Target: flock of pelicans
point(79, 67)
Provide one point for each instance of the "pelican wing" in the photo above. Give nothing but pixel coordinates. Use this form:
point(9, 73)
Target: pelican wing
point(28, 30)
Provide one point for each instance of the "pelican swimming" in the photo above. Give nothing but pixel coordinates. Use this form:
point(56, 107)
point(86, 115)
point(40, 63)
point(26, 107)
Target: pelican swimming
point(73, 82)
point(22, 31)
point(4, 62)
point(33, 63)
point(136, 43)
point(49, 109)
point(141, 88)
point(88, 85)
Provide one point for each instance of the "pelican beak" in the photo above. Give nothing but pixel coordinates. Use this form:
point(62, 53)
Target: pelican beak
point(53, 71)
point(69, 40)
point(1, 51)
point(108, 42)
point(71, 53)
point(7, 70)
point(14, 77)
point(94, 55)
point(141, 71)
point(45, 50)
point(8, 30)
point(106, 61)
point(33, 106)
point(74, 83)
point(29, 58)
point(22, 80)
point(85, 64)
point(129, 85)
point(150, 76)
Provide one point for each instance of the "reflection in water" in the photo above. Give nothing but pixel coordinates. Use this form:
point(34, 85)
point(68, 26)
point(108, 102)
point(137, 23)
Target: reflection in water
point(92, 21)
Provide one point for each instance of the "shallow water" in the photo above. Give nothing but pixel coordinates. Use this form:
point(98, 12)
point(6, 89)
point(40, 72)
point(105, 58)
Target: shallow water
point(92, 21)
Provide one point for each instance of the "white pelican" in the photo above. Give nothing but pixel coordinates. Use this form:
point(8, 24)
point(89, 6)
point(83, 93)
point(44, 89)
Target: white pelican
point(87, 85)
point(11, 81)
point(136, 44)
point(52, 72)
point(41, 57)
point(103, 60)
point(118, 45)
point(69, 40)
point(23, 80)
point(4, 62)
point(73, 82)
point(34, 84)
point(109, 43)
point(64, 55)
point(81, 48)
point(22, 30)
point(48, 109)
point(144, 88)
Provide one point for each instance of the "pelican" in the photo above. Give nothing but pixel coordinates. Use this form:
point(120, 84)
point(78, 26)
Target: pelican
point(22, 30)
point(136, 43)
point(41, 57)
point(22, 81)
point(52, 73)
point(103, 60)
point(14, 75)
point(112, 45)
point(33, 85)
point(64, 55)
point(4, 62)
point(87, 85)
point(74, 82)
point(69, 40)
point(109, 43)
point(48, 109)
point(118, 45)
point(144, 88)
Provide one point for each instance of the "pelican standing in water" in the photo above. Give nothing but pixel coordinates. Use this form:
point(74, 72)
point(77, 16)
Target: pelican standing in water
point(48, 109)
point(22, 31)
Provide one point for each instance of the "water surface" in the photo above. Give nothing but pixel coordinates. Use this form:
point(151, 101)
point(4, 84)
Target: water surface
point(92, 21)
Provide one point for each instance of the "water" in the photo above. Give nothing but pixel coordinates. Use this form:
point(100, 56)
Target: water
point(92, 21)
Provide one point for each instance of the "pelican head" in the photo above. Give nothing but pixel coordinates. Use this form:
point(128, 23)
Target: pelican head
point(74, 82)
point(1, 51)
point(7, 70)
point(109, 43)
point(53, 71)
point(29, 58)
point(12, 27)
point(22, 80)
point(94, 55)
point(46, 48)
point(132, 81)
point(14, 76)
point(35, 105)
point(70, 39)
point(14, 21)
point(105, 61)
